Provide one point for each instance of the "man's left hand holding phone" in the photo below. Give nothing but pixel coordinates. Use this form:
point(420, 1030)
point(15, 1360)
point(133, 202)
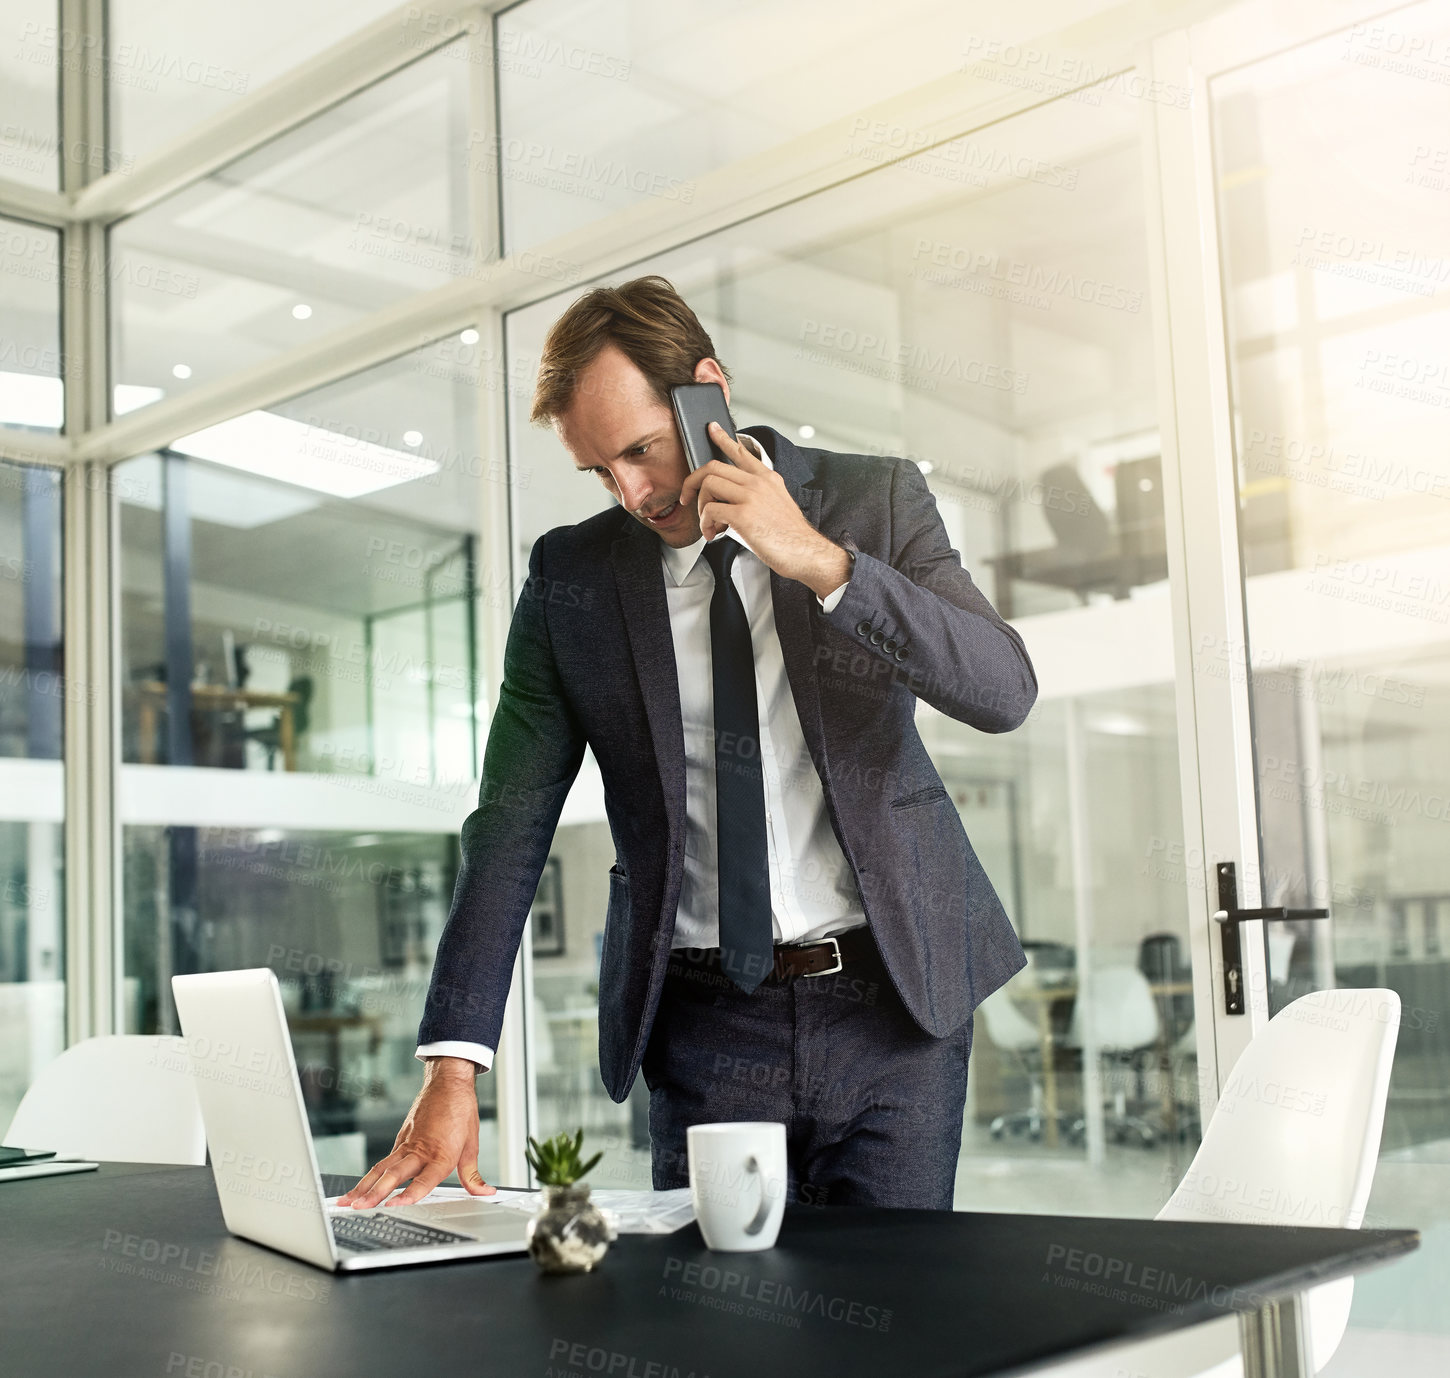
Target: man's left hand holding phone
point(773, 526)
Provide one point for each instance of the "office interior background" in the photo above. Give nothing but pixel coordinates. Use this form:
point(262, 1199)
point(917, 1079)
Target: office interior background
point(1156, 296)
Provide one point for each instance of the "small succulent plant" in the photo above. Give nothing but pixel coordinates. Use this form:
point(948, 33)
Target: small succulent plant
point(556, 1161)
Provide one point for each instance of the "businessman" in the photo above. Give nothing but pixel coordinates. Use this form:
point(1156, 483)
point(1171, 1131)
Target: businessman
point(797, 929)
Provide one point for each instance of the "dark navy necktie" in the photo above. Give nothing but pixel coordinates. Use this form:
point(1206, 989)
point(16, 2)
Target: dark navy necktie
point(746, 950)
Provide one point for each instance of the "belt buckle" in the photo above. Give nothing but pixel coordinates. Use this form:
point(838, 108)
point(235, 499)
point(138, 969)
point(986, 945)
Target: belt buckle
point(829, 971)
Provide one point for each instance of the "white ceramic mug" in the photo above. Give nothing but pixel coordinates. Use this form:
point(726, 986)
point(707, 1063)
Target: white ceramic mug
point(738, 1182)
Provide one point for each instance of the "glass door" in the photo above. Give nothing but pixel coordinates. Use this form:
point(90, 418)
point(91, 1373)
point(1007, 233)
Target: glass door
point(1328, 147)
point(985, 310)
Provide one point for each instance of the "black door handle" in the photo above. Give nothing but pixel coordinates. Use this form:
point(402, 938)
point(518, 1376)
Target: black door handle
point(1229, 916)
point(1273, 912)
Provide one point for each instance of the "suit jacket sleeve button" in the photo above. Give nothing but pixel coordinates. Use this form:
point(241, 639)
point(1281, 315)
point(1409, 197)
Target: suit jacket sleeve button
point(862, 627)
point(901, 653)
point(889, 645)
point(877, 637)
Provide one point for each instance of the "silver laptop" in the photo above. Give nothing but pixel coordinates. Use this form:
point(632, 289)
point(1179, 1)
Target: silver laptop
point(261, 1147)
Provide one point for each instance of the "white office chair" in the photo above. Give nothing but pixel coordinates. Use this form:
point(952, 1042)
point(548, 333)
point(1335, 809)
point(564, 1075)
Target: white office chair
point(1294, 1139)
point(269, 671)
point(121, 1098)
point(1014, 1033)
point(1125, 1022)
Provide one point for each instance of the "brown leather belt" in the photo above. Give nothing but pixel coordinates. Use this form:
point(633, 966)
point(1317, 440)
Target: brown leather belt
point(820, 957)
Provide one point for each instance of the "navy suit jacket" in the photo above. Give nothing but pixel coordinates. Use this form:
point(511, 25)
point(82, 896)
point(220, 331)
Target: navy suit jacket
point(590, 659)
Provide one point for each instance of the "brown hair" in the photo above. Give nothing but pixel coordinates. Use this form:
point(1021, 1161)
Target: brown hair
point(646, 318)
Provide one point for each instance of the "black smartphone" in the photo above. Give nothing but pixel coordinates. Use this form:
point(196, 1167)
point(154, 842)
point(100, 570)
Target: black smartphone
point(696, 405)
point(14, 1157)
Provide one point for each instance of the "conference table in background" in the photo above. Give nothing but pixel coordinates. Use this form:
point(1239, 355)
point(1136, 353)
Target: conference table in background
point(215, 698)
point(130, 1271)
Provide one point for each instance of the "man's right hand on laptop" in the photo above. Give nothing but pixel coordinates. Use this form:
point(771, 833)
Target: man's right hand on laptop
point(440, 1134)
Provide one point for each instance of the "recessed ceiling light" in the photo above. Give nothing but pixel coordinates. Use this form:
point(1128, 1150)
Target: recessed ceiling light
point(30, 399)
point(806, 432)
point(412, 437)
point(261, 442)
point(301, 311)
point(469, 336)
point(1118, 725)
point(181, 370)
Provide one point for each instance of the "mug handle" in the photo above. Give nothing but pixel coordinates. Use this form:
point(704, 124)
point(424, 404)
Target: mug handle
point(761, 1215)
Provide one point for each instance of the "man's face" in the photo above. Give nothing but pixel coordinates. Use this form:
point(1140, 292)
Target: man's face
point(617, 428)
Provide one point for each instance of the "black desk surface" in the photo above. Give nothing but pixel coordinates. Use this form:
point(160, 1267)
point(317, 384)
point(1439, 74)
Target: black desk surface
point(129, 1270)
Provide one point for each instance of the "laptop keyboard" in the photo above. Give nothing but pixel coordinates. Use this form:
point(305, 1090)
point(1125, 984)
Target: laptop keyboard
point(371, 1232)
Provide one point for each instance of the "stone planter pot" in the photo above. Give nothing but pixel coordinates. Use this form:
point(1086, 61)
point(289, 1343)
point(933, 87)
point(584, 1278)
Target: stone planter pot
point(569, 1233)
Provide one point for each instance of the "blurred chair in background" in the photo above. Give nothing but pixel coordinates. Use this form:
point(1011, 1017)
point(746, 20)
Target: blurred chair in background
point(271, 736)
point(1125, 1025)
point(1160, 959)
point(1021, 1039)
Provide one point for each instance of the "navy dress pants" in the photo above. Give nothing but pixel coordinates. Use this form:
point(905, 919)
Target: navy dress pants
point(872, 1105)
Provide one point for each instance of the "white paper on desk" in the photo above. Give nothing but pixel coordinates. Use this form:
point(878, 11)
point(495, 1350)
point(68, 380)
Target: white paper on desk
point(51, 1167)
point(629, 1212)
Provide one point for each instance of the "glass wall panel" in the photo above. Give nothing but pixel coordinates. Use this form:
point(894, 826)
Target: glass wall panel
point(300, 685)
point(359, 207)
point(31, 46)
point(982, 311)
point(34, 697)
point(31, 394)
point(1334, 206)
point(605, 105)
point(173, 65)
point(347, 919)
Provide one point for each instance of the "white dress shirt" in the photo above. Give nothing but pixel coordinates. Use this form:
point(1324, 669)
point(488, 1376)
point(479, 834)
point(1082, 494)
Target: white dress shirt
point(812, 890)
